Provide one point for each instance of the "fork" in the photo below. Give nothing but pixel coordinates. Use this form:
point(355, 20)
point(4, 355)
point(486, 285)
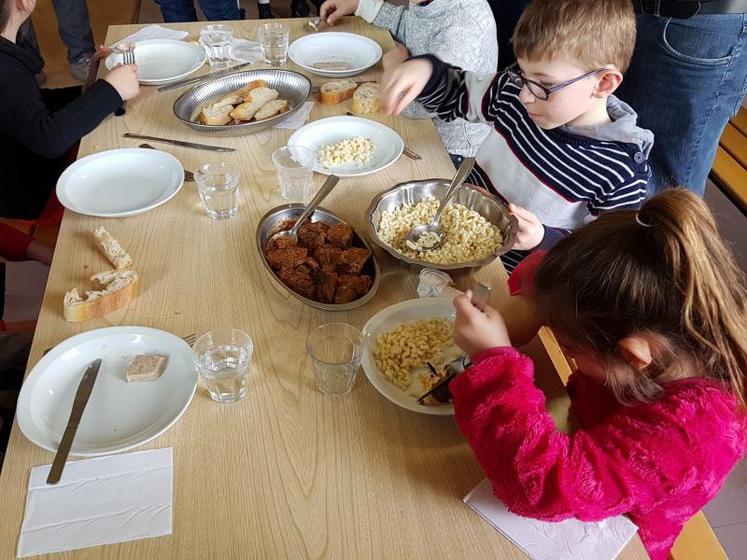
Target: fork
point(189, 339)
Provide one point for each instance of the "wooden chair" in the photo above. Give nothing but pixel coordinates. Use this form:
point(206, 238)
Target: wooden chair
point(697, 540)
point(730, 166)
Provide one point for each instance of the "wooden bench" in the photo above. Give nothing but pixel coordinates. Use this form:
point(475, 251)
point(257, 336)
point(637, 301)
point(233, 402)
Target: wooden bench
point(729, 171)
point(697, 540)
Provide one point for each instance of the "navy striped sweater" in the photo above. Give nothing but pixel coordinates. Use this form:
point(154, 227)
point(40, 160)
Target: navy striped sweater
point(565, 178)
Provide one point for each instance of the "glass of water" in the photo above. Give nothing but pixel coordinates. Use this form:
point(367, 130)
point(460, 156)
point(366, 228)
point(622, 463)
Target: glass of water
point(273, 39)
point(335, 352)
point(223, 358)
point(218, 184)
point(217, 42)
point(294, 168)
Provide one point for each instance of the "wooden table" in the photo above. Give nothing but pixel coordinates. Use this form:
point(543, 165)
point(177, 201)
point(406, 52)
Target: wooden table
point(285, 473)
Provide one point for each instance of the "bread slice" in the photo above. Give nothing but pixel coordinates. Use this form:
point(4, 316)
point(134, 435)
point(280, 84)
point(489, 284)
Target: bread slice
point(146, 367)
point(332, 65)
point(366, 99)
point(215, 115)
point(277, 107)
point(111, 248)
point(114, 289)
point(336, 91)
point(253, 102)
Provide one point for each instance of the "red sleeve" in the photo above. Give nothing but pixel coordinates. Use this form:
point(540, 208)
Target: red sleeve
point(13, 243)
point(521, 281)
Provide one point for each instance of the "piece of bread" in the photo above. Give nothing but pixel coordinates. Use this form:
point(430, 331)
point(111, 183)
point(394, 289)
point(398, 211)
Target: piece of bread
point(114, 289)
point(332, 65)
point(215, 115)
point(146, 367)
point(111, 248)
point(366, 99)
point(277, 107)
point(253, 102)
point(336, 91)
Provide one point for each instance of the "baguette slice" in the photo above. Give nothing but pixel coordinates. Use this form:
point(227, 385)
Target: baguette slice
point(332, 65)
point(216, 115)
point(253, 102)
point(114, 289)
point(366, 99)
point(336, 91)
point(146, 367)
point(111, 248)
point(277, 107)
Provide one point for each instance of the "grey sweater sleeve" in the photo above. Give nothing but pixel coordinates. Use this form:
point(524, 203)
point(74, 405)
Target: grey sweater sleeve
point(394, 19)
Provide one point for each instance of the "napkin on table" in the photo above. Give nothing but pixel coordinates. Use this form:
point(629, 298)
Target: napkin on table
point(246, 51)
point(298, 119)
point(153, 32)
point(542, 540)
point(99, 501)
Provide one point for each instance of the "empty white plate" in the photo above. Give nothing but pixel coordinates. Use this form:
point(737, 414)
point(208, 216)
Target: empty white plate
point(388, 145)
point(357, 52)
point(160, 61)
point(119, 415)
point(120, 182)
point(387, 320)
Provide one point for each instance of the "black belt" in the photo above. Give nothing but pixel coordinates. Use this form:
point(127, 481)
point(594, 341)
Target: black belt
point(686, 9)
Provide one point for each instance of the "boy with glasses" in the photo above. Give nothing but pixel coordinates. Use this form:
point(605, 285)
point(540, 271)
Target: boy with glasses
point(562, 148)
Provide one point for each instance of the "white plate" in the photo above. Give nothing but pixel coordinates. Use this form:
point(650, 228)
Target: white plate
point(119, 415)
point(385, 321)
point(388, 145)
point(160, 61)
point(120, 183)
point(360, 53)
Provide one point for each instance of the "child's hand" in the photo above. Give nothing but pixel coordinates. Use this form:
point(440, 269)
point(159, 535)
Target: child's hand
point(395, 57)
point(531, 231)
point(403, 83)
point(475, 330)
point(124, 79)
point(332, 10)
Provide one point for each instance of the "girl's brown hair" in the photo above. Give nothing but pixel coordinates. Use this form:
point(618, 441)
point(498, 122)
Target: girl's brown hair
point(664, 271)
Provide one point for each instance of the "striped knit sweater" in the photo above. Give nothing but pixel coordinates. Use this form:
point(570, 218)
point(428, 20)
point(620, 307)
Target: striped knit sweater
point(566, 176)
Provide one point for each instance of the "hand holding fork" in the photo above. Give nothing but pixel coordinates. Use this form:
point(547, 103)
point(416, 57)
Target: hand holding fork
point(124, 76)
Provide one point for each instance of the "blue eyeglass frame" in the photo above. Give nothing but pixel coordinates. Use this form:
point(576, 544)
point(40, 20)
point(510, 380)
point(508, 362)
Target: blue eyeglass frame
point(516, 76)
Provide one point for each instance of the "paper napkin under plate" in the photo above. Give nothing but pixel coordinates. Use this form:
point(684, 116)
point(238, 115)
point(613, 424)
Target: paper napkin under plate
point(298, 119)
point(154, 32)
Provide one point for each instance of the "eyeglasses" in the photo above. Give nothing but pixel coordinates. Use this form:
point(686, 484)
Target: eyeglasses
point(538, 90)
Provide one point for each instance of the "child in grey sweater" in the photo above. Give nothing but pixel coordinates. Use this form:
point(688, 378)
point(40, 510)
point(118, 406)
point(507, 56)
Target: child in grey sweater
point(461, 32)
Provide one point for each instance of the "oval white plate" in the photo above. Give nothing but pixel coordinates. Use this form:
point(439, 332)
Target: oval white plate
point(160, 61)
point(360, 53)
point(386, 320)
point(388, 145)
point(120, 182)
point(119, 415)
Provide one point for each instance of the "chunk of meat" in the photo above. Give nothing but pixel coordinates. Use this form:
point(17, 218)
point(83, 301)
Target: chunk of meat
point(340, 235)
point(312, 235)
point(288, 257)
point(352, 260)
point(350, 288)
point(309, 265)
point(326, 286)
point(328, 256)
point(299, 281)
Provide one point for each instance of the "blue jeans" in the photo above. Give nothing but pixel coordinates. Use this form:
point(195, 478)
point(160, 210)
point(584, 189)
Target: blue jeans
point(184, 10)
point(686, 79)
point(75, 28)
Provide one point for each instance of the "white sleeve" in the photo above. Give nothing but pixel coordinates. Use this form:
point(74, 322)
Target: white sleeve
point(369, 9)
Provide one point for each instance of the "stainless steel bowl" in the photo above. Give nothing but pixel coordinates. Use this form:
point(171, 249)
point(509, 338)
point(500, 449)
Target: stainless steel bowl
point(292, 86)
point(269, 225)
point(412, 192)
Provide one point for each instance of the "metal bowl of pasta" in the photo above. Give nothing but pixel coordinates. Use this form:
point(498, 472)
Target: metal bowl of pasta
point(478, 227)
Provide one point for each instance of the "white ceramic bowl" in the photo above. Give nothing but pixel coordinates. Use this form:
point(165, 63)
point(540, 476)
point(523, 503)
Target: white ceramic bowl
point(161, 61)
point(358, 52)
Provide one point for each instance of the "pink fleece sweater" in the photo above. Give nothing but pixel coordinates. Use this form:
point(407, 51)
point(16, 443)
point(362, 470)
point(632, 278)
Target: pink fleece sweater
point(659, 463)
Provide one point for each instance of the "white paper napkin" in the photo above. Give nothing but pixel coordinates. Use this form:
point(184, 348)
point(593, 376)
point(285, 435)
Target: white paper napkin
point(154, 32)
point(99, 501)
point(298, 119)
point(565, 540)
point(246, 51)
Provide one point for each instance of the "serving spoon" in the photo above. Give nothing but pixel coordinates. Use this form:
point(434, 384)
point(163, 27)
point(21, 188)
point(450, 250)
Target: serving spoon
point(292, 233)
point(429, 237)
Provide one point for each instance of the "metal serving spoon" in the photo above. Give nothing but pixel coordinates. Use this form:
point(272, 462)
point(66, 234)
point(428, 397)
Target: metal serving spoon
point(326, 188)
point(188, 175)
point(429, 237)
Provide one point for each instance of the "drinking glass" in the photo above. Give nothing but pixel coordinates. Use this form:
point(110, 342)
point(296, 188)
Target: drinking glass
point(294, 167)
point(273, 39)
point(335, 351)
point(217, 42)
point(218, 184)
point(223, 358)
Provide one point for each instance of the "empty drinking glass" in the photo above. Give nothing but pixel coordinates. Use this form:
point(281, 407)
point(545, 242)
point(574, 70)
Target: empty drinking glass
point(218, 184)
point(294, 167)
point(335, 351)
point(223, 358)
point(217, 42)
point(273, 39)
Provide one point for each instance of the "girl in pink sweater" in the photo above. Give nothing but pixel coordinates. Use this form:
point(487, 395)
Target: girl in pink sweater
point(653, 309)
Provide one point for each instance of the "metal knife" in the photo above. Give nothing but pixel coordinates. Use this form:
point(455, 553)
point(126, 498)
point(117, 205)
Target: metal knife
point(480, 296)
point(79, 405)
point(179, 143)
point(204, 77)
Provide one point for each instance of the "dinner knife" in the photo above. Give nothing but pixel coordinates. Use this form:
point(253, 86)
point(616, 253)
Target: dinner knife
point(179, 142)
point(79, 405)
point(210, 76)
